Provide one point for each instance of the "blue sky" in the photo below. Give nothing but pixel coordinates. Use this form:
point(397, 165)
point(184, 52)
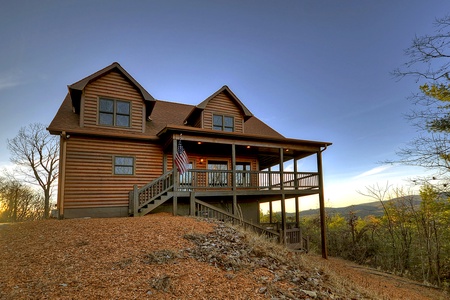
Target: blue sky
point(313, 69)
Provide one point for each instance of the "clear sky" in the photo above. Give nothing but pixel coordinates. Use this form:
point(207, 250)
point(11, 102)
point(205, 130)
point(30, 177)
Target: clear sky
point(311, 69)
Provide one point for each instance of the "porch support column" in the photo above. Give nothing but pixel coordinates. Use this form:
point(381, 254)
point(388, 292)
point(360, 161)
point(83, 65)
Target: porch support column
point(283, 196)
point(270, 212)
point(297, 209)
point(233, 177)
point(322, 207)
point(192, 204)
point(175, 177)
point(270, 178)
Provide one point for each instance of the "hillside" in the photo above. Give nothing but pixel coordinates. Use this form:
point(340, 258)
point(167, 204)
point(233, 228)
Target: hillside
point(361, 210)
point(165, 257)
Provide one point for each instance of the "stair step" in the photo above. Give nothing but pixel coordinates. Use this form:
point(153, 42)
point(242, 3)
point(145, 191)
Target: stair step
point(154, 204)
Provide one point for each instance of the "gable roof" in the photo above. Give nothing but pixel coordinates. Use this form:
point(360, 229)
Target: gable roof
point(164, 114)
point(76, 89)
point(196, 112)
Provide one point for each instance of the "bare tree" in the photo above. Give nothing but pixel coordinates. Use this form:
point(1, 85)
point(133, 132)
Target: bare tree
point(396, 203)
point(36, 153)
point(429, 55)
point(18, 201)
point(429, 63)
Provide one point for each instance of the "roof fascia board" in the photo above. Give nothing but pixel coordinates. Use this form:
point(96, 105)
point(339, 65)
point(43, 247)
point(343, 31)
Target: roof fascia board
point(222, 135)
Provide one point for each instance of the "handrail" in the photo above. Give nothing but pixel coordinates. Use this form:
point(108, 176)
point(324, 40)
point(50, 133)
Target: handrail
point(151, 191)
point(204, 179)
point(206, 210)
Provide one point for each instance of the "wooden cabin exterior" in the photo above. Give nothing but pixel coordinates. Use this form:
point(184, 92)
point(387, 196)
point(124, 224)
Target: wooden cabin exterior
point(118, 145)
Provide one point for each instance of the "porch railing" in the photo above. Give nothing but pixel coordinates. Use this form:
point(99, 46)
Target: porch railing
point(199, 179)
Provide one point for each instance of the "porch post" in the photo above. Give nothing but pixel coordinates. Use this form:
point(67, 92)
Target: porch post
point(270, 212)
point(322, 207)
point(175, 176)
point(283, 196)
point(192, 204)
point(270, 178)
point(297, 217)
point(233, 177)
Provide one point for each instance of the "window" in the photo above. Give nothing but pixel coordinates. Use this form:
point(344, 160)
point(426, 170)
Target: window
point(114, 113)
point(186, 179)
point(243, 177)
point(123, 165)
point(223, 123)
point(218, 174)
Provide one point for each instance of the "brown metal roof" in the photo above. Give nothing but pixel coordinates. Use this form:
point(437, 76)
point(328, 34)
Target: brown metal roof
point(196, 111)
point(75, 89)
point(164, 114)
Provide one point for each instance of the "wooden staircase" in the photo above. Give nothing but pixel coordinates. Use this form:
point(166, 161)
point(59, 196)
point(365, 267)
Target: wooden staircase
point(150, 196)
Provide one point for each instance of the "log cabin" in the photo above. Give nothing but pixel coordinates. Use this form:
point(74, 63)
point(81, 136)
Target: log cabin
point(125, 153)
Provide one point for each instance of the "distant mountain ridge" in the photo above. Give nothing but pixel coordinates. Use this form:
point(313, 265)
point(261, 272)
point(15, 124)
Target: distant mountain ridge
point(361, 210)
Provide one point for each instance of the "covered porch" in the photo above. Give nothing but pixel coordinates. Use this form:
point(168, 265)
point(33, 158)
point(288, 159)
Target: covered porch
point(229, 165)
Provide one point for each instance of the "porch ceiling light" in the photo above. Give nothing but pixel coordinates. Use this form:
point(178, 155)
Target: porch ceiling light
point(199, 143)
point(248, 147)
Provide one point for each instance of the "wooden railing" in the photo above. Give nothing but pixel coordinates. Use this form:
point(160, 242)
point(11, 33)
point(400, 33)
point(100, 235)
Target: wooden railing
point(292, 238)
point(205, 210)
point(198, 179)
point(295, 240)
point(141, 197)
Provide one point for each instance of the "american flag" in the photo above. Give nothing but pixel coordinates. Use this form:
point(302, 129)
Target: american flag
point(181, 159)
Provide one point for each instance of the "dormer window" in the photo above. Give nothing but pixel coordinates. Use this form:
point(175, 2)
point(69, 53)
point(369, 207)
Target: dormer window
point(114, 113)
point(223, 123)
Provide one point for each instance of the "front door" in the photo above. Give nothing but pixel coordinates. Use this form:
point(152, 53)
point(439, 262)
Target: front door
point(242, 177)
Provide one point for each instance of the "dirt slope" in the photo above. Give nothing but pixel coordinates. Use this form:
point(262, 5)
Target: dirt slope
point(165, 257)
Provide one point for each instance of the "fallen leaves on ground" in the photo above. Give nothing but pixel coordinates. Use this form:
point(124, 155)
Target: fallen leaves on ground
point(158, 256)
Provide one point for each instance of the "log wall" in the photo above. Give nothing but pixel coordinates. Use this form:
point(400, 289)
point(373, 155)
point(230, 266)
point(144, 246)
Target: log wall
point(222, 105)
point(89, 173)
point(112, 86)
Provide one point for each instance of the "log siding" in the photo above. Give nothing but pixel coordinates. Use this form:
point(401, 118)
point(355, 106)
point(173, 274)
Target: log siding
point(112, 86)
point(223, 105)
point(89, 176)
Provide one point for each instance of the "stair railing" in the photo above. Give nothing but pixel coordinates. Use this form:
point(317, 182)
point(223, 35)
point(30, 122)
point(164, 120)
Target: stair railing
point(205, 210)
point(141, 197)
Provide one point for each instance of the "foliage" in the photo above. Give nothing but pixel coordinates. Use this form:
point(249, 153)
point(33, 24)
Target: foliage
point(428, 62)
point(410, 239)
point(36, 153)
point(19, 202)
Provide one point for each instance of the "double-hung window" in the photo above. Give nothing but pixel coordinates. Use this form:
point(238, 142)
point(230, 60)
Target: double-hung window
point(114, 113)
point(223, 123)
point(123, 165)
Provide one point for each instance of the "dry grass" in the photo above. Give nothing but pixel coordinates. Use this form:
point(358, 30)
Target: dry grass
point(152, 258)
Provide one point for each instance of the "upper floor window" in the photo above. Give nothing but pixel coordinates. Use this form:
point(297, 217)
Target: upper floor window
point(123, 165)
point(114, 113)
point(223, 123)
